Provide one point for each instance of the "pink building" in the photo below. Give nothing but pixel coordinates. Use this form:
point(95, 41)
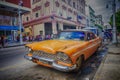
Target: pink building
point(9, 16)
point(50, 16)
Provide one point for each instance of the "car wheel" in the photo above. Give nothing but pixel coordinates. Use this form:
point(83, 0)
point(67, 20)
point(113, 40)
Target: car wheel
point(78, 63)
point(96, 52)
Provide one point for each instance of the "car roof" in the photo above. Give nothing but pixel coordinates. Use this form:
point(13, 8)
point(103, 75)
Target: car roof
point(76, 30)
point(90, 28)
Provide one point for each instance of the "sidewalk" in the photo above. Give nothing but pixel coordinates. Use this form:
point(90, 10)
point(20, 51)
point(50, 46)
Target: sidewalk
point(14, 44)
point(110, 66)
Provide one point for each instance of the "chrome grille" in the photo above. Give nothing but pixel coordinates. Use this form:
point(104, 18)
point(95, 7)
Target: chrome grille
point(44, 54)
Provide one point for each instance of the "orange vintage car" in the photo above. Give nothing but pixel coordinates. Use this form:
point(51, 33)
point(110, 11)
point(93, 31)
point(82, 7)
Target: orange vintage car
point(65, 53)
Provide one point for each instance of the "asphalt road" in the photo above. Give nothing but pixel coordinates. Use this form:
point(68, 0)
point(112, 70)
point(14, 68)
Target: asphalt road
point(13, 66)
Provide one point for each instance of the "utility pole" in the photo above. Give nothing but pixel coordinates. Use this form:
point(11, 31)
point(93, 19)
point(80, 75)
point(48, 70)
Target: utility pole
point(114, 24)
point(20, 21)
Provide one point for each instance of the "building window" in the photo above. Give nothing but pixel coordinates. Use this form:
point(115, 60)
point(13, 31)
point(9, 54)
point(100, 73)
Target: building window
point(64, 1)
point(70, 10)
point(47, 4)
point(13, 21)
point(35, 1)
point(64, 7)
point(36, 15)
point(36, 8)
point(57, 4)
point(74, 4)
point(69, 2)
point(80, 9)
point(77, 7)
point(27, 18)
point(75, 13)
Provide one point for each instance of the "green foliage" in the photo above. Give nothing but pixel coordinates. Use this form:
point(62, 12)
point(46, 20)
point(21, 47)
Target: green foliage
point(117, 15)
point(99, 26)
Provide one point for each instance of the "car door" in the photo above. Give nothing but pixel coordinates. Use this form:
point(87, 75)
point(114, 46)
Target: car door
point(94, 43)
point(90, 45)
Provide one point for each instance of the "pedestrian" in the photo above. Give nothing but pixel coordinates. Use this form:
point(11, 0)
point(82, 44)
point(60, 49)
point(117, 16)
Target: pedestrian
point(110, 35)
point(2, 40)
point(102, 36)
point(27, 38)
point(43, 37)
point(18, 38)
point(106, 36)
point(49, 37)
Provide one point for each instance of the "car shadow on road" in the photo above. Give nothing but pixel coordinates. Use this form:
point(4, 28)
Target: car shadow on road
point(38, 72)
point(91, 65)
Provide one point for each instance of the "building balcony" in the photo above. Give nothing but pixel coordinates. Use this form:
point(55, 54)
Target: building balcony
point(7, 6)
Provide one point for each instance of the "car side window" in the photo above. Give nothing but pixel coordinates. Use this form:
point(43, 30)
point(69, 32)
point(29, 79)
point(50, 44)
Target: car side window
point(90, 36)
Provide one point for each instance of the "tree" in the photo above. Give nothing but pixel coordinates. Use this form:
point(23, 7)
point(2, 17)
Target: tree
point(99, 26)
point(117, 17)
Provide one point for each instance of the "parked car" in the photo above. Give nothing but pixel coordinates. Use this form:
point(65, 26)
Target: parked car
point(95, 30)
point(65, 53)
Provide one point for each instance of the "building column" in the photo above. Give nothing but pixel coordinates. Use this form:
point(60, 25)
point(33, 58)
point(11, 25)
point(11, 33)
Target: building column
point(54, 27)
point(77, 26)
point(60, 26)
point(14, 35)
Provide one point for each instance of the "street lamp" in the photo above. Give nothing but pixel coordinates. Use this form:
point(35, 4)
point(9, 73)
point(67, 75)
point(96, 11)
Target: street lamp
point(20, 21)
point(114, 36)
point(114, 24)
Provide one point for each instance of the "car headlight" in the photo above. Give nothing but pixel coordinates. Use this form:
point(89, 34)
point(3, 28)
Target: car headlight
point(63, 57)
point(27, 49)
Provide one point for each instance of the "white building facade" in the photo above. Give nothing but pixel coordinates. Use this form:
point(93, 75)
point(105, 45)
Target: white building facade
point(90, 16)
point(51, 16)
point(98, 20)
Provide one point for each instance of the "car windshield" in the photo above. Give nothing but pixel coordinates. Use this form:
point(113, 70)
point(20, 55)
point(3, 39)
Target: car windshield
point(75, 35)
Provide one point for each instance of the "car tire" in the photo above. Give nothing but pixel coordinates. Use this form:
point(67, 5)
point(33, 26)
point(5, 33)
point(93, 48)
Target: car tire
point(97, 50)
point(78, 64)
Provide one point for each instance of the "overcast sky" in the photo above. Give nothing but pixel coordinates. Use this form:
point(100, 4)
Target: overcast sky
point(100, 8)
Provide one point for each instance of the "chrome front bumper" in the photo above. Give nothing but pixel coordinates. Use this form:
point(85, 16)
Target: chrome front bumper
point(53, 63)
point(28, 57)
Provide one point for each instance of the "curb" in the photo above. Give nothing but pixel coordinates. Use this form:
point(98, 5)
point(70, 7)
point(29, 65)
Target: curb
point(13, 46)
point(114, 53)
point(114, 50)
point(98, 72)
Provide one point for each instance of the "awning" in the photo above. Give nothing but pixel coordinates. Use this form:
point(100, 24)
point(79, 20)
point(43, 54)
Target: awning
point(2, 27)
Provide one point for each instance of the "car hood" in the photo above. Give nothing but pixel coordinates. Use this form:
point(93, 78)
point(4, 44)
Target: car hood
point(51, 46)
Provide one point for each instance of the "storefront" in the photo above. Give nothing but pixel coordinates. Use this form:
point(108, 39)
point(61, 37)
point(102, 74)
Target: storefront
point(9, 17)
point(10, 32)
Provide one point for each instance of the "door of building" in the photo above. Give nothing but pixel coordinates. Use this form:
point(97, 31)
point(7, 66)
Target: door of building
point(48, 28)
